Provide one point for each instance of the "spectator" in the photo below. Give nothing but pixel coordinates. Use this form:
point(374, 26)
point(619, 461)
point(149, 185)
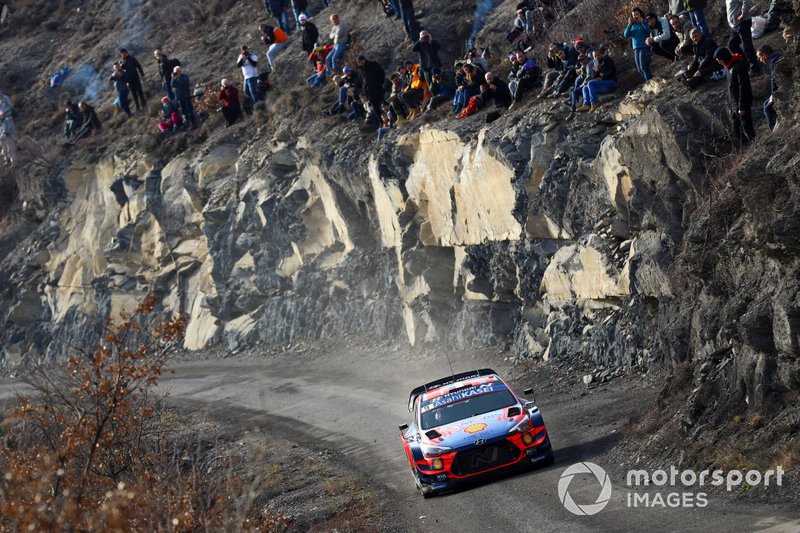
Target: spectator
point(120, 82)
point(183, 93)
point(638, 32)
point(340, 35)
point(318, 58)
point(409, 19)
point(231, 108)
point(277, 9)
point(373, 78)
point(585, 71)
point(310, 33)
point(555, 66)
point(662, 40)
point(523, 76)
point(165, 68)
point(473, 58)
point(395, 100)
point(741, 94)
point(582, 47)
point(171, 118)
point(416, 87)
point(72, 118)
point(248, 62)
point(349, 84)
point(703, 65)
point(8, 146)
point(275, 39)
point(388, 120)
point(676, 24)
point(132, 70)
point(741, 39)
point(569, 62)
point(441, 88)
point(522, 33)
point(770, 57)
point(88, 121)
point(604, 81)
point(428, 51)
point(299, 10)
point(696, 10)
point(498, 90)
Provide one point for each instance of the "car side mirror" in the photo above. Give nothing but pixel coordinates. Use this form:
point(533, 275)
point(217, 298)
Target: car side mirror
point(403, 427)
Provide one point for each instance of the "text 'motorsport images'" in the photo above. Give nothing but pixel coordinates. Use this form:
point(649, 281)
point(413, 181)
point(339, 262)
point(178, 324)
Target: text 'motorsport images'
point(470, 425)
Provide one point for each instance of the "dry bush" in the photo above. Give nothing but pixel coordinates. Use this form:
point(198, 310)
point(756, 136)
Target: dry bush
point(89, 451)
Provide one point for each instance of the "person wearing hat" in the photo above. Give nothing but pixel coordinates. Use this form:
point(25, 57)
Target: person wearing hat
point(308, 32)
point(662, 40)
point(171, 118)
point(299, 10)
point(741, 94)
point(428, 51)
point(183, 93)
point(229, 97)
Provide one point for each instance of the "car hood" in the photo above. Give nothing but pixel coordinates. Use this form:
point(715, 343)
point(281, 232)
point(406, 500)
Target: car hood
point(485, 426)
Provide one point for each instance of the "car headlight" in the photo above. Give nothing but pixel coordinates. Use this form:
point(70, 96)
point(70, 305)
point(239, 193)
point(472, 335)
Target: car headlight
point(522, 427)
point(433, 451)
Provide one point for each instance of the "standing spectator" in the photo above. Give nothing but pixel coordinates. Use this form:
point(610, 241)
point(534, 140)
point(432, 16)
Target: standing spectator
point(741, 39)
point(229, 96)
point(120, 82)
point(638, 32)
point(183, 93)
point(523, 76)
point(770, 57)
point(72, 118)
point(696, 10)
point(741, 95)
point(277, 8)
point(8, 146)
point(248, 62)
point(662, 40)
point(310, 33)
point(133, 69)
point(318, 58)
point(372, 77)
point(703, 65)
point(409, 19)
point(340, 35)
point(165, 68)
point(605, 80)
point(275, 39)
point(428, 51)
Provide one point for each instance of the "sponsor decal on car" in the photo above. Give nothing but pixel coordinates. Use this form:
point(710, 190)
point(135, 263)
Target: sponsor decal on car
point(476, 428)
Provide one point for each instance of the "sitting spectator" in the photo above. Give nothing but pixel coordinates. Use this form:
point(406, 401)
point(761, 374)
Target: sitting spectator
point(696, 10)
point(770, 57)
point(662, 40)
point(395, 100)
point(340, 35)
point(582, 47)
point(442, 89)
point(183, 93)
point(170, 117)
point(72, 118)
point(373, 78)
point(523, 76)
point(475, 103)
point(229, 97)
point(318, 58)
point(275, 39)
point(88, 121)
point(554, 66)
point(604, 80)
point(473, 58)
point(638, 32)
point(349, 85)
point(522, 33)
point(248, 62)
point(676, 24)
point(569, 62)
point(388, 120)
point(703, 65)
point(416, 88)
point(585, 71)
point(310, 33)
point(497, 90)
point(120, 82)
point(741, 94)
point(467, 86)
point(428, 51)
point(8, 146)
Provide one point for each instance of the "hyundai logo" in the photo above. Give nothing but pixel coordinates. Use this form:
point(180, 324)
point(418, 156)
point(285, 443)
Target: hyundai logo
point(479, 442)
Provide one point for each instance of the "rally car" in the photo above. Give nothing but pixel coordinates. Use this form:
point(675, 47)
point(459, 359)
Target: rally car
point(470, 425)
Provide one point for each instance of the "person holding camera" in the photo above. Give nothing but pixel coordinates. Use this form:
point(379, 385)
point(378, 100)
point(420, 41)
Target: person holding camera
point(638, 31)
point(248, 62)
point(428, 51)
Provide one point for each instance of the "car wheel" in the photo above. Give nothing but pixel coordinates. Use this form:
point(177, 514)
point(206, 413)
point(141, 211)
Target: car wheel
point(426, 490)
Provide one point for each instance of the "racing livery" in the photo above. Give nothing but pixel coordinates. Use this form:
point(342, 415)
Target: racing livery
point(469, 425)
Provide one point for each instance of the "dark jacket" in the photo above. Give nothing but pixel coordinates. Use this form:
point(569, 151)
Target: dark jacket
point(372, 76)
point(691, 5)
point(229, 96)
point(89, 118)
point(605, 69)
point(310, 35)
point(275, 7)
point(120, 82)
point(500, 94)
point(165, 67)
point(773, 80)
point(132, 68)
point(570, 59)
point(182, 86)
point(703, 55)
point(428, 54)
point(740, 89)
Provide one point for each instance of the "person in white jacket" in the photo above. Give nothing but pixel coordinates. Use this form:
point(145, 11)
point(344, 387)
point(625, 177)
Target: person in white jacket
point(340, 35)
point(248, 61)
point(662, 40)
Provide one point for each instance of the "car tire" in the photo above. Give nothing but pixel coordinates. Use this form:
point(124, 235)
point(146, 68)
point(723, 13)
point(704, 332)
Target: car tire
point(425, 494)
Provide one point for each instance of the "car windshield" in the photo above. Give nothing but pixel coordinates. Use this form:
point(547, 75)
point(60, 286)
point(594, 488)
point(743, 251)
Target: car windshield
point(466, 408)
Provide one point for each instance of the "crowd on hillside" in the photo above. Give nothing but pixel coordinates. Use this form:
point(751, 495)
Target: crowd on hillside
point(578, 72)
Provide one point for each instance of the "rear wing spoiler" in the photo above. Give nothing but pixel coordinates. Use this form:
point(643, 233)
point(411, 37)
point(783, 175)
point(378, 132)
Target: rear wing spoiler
point(446, 381)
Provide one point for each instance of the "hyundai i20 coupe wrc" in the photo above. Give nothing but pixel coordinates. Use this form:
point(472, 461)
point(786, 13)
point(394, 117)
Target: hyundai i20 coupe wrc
point(467, 426)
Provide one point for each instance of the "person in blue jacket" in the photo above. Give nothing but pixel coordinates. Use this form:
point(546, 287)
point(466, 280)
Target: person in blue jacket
point(638, 31)
point(769, 56)
point(120, 81)
point(183, 93)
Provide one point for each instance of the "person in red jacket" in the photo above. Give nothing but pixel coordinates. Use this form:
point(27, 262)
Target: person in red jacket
point(229, 96)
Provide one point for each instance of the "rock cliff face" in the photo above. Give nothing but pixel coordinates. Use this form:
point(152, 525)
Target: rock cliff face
point(615, 238)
